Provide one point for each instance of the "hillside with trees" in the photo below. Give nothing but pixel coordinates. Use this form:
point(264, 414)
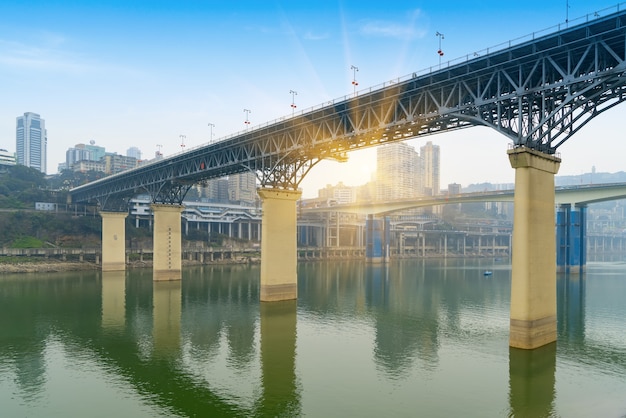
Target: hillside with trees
point(23, 227)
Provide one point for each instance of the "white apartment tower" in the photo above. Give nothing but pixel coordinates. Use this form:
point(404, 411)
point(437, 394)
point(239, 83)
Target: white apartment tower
point(31, 141)
point(430, 169)
point(397, 172)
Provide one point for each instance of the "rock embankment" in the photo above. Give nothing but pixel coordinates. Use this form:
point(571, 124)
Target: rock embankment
point(46, 267)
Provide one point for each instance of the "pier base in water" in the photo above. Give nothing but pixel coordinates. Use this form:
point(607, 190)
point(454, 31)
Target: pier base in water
point(279, 257)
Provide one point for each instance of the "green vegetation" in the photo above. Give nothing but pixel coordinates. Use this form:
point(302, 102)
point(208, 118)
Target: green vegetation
point(27, 242)
point(22, 186)
point(21, 229)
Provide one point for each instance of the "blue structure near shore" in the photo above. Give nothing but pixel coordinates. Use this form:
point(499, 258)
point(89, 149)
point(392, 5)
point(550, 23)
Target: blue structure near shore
point(571, 242)
point(377, 239)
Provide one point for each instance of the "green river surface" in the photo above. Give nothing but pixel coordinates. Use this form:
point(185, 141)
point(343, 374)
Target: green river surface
point(413, 338)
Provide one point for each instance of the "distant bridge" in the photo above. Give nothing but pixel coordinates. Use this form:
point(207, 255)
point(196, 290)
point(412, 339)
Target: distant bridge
point(581, 195)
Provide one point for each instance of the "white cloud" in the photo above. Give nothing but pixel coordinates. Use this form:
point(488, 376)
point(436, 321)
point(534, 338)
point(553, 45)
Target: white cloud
point(16, 55)
point(311, 36)
point(394, 29)
point(50, 58)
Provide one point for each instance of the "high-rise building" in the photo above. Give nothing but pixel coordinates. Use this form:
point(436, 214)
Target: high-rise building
point(96, 153)
point(76, 154)
point(430, 156)
point(340, 193)
point(242, 187)
point(31, 140)
point(397, 171)
point(215, 190)
point(134, 152)
point(83, 152)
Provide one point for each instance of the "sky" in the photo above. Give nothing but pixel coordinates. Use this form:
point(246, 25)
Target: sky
point(148, 73)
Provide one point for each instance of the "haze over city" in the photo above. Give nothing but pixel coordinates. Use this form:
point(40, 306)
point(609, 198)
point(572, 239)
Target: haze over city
point(144, 73)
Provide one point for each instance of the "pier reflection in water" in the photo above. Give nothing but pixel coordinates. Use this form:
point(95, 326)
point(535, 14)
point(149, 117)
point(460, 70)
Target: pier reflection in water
point(409, 338)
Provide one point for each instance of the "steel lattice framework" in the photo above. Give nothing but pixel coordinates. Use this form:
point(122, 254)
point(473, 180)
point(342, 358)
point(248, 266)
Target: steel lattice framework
point(538, 93)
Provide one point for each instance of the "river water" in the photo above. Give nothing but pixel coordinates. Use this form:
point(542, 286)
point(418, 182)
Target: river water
point(414, 338)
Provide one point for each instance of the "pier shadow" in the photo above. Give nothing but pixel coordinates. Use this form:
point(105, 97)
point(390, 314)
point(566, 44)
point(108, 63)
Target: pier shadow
point(532, 381)
point(166, 301)
point(280, 390)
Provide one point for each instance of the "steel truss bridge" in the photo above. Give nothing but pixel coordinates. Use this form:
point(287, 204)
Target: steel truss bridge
point(537, 93)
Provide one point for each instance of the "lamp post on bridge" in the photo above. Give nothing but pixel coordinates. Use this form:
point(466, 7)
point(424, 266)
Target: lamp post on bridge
point(354, 82)
point(439, 51)
point(293, 101)
point(182, 142)
point(211, 126)
point(247, 122)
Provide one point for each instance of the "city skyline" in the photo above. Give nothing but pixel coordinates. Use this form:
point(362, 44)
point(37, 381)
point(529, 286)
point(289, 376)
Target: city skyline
point(191, 70)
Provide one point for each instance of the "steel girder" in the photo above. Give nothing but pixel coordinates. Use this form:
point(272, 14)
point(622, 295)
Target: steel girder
point(538, 94)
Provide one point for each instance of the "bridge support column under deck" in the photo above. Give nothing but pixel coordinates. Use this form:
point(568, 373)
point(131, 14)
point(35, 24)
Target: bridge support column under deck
point(376, 240)
point(279, 257)
point(113, 241)
point(533, 282)
point(167, 253)
point(571, 239)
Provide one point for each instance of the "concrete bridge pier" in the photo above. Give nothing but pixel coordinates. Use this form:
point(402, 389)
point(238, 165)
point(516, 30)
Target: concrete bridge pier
point(167, 253)
point(113, 241)
point(533, 281)
point(279, 257)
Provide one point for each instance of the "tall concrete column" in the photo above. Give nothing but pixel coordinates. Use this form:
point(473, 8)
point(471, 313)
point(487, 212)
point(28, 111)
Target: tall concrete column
point(279, 258)
point(167, 253)
point(113, 241)
point(533, 282)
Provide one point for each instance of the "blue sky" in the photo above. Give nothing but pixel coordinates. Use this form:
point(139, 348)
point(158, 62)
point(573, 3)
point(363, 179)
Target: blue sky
point(143, 73)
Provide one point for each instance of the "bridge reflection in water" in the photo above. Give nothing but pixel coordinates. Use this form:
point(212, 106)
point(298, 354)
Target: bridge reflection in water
point(206, 346)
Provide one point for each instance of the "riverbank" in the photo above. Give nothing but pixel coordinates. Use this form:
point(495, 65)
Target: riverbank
point(51, 265)
point(48, 266)
point(34, 265)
